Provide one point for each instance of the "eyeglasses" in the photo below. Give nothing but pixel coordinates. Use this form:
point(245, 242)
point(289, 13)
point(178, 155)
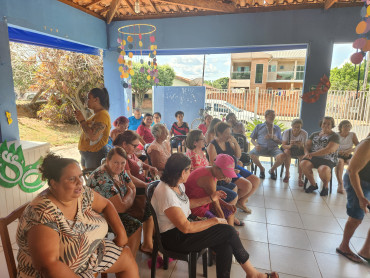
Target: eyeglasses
point(134, 145)
point(201, 139)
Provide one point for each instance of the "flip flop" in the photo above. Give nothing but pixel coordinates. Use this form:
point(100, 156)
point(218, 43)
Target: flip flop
point(366, 259)
point(350, 256)
point(286, 179)
point(243, 208)
point(145, 252)
point(300, 183)
point(272, 275)
point(241, 223)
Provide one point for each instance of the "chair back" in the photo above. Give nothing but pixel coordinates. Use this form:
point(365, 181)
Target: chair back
point(179, 138)
point(149, 194)
point(86, 173)
point(5, 239)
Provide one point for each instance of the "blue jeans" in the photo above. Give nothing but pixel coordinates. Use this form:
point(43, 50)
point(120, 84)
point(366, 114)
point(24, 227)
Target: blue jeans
point(93, 159)
point(353, 205)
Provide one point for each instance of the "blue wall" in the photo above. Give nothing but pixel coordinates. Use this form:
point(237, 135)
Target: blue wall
point(7, 96)
point(118, 96)
point(168, 100)
point(57, 19)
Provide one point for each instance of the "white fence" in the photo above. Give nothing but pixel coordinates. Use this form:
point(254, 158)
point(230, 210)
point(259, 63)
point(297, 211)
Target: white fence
point(341, 105)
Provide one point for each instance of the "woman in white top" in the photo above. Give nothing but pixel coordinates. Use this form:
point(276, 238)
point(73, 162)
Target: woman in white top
point(346, 141)
point(172, 207)
point(293, 146)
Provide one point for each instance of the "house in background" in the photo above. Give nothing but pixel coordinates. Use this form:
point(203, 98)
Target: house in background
point(283, 70)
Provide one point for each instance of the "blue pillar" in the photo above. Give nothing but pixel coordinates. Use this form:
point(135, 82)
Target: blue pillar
point(120, 98)
point(318, 62)
point(8, 131)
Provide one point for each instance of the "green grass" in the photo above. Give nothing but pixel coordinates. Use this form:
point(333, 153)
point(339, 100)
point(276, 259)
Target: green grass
point(56, 134)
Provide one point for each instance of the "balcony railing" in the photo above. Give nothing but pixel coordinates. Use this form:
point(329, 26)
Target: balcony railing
point(241, 75)
point(289, 75)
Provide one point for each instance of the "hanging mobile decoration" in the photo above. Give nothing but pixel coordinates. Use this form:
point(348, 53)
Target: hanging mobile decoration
point(134, 40)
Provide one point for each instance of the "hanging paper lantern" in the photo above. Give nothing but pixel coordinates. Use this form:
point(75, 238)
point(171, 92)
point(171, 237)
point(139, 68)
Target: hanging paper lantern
point(357, 58)
point(359, 43)
point(152, 39)
point(130, 39)
point(361, 27)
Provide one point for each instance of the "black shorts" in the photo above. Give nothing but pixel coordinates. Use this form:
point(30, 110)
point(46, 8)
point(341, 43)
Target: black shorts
point(345, 157)
point(318, 161)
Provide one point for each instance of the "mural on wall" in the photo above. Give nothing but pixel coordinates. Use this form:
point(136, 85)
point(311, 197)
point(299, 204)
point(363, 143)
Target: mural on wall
point(321, 88)
point(12, 159)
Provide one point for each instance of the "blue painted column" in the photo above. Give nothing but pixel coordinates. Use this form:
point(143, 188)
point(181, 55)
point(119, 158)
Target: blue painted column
point(318, 62)
point(120, 98)
point(8, 131)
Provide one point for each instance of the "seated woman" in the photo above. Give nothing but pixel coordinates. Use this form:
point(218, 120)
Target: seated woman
point(195, 143)
point(246, 182)
point(202, 182)
point(144, 130)
point(121, 125)
point(129, 141)
point(67, 223)
point(293, 145)
point(210, 134)
point(204, 126)
point(159, 150)
point(346, 141)
point(178, 234)
point(321, 153)
point(179, 128)
point(111, 181)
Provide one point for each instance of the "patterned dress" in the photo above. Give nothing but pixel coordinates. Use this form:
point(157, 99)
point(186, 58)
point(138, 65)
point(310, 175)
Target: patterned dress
point(82, 246)
point(102, 183)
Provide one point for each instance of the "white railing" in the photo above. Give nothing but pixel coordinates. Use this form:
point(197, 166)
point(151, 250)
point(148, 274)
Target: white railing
point(251, 104)
point(350, 105)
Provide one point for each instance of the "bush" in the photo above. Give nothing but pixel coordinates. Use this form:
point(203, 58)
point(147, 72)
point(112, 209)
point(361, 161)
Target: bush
point(57, 111)
point(251, 125)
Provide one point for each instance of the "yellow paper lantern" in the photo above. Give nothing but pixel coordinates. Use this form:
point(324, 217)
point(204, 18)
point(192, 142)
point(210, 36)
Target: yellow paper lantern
point(140, 43)
point(155, 52)
point(130, 39)
point(123, 53)
point(120, 69)
point(123, 42)
point(361, 27)
point(130, 54)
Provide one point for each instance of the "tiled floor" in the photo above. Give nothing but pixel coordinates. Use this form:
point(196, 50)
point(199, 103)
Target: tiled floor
point(288, 231)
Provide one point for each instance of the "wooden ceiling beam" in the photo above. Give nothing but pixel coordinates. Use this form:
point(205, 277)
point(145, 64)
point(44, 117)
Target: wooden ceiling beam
point(152, 5)
point(92, 3)
point(112, 10)
point(204, 5)
point(329, 3)
point(130, 7)
point(74, 5)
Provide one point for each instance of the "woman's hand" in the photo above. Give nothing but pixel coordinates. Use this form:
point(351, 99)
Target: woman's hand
point(220, 220)
point(218, 195)
point(120, 240)
point(364, 204)
point(307, 156)
point(79, 116)
point(153, 171)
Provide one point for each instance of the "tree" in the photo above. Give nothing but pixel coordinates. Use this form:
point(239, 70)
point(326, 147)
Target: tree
point(141, 85)
point(221, 83)
point(346, 77)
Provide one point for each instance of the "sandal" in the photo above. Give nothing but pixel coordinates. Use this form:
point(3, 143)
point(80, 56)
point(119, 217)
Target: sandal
point(286, 179)
point(149, 253)
point(272, 275)
point(300, 183)
point(243, 208)
point(350, 256)
point(240, 223)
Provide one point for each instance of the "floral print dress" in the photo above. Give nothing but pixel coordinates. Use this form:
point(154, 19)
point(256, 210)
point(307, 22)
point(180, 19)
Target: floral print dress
point(82, 246)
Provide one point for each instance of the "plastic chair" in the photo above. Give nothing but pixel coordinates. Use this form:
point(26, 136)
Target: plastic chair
point(5, 239)
point(191, 257)
point(244, 147)
point(86, 173)
point(177, 138)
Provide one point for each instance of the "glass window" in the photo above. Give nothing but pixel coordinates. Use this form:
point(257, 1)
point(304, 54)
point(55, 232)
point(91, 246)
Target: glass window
point(300, 68)
point(259, 73)
point(272, 68)
point(281, 67)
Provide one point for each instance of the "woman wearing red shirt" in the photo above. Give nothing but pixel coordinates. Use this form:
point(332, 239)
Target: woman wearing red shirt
point(144, 130)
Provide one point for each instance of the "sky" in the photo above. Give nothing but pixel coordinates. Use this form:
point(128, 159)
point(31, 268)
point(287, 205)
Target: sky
point(218, 65)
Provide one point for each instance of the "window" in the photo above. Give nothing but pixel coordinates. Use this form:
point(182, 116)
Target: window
point(240, 69)
point(259, 73)
point(300, 68)
point(281, 67)
point(299, 73)
point(272, 68)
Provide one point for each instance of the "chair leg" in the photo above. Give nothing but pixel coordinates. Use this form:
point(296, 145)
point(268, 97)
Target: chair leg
point(210, 257)
point(204, 260)
point(154, 260)
point(192, 266)
point(305, 183)
point(282, 170)
point(165, 262)
point(331, 181)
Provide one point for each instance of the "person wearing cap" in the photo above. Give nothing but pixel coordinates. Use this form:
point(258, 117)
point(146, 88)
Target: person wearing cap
point(202, 182)
point(172, 207)
point(225, 143)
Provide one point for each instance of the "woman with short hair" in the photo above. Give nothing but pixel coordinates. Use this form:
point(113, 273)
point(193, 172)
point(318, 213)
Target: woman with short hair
point(204, 126)
point(346, 141)
point(144, 130)
point(321, 152)
point(159, 150)
point(210, 134)
point(172, 207)
point(121, 125)
point(293, 145)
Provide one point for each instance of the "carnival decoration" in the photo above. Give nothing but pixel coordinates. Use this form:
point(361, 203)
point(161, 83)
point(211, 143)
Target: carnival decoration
point(322, 88)
point(134, 41)
point(9, 117)
point(14, 171)
point(362, 44)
